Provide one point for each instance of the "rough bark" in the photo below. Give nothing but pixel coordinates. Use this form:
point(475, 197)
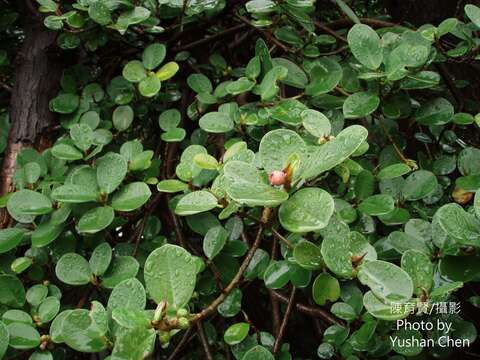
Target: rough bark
point(37, 75)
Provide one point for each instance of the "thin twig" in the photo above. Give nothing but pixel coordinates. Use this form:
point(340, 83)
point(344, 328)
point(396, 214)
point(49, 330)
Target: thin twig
point(282, 238)
point(238, 276)
point(288, 311)
point(266, 34)
point(309, 310)
point(185, 338)
point(330, 31)
point(208, 39)
point(204, 341)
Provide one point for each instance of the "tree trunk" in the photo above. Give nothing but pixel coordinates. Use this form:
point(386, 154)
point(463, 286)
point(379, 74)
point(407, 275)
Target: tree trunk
point(37, 75)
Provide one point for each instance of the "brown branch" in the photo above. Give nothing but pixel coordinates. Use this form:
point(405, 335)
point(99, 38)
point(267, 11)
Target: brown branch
point(209, 39)
point(313, 311)
point(288, 311)
point(330, 31)
point(266, 34)
point(210, 309)
point(343, 23)
point(204, 341)
point(282, 238)
point(185, 338)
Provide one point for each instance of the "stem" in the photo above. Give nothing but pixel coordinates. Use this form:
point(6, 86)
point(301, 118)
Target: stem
point(204, 341)
point(236, 280)
point(313, 311)
point(288, 311)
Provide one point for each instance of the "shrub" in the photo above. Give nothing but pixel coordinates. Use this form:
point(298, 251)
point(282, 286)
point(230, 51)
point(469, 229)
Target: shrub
point(248, 180)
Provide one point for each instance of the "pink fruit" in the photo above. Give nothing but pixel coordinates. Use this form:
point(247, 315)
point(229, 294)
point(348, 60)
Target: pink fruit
point(277, 178)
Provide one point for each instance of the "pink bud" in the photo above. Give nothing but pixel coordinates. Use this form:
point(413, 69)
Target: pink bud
point(277, 178)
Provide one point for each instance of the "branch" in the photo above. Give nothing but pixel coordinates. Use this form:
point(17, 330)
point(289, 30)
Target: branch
point(208, 39)
point(309, 310)
point(183, 341)
point(204, 341)
point(238, 276)
point(288, 311)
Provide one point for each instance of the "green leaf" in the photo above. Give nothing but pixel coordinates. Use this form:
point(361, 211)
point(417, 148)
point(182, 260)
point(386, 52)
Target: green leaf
point(153, 56)
point(13, 292)
point(82, 136)
point(170, 275)
point(132, 17)
point(4, 339)
point(25, 204)
point(288, 111)
point(100, 259)
point(268, 88)
point(402, 242)
point(128, 294)
point(23, 336)
point(418, 265)
point(296, 77)
point(167, 71)
point(419, 184)
point(214, 241)
point(95, 220)
point(247, 186)
point(216, 122)
point(71, 193)
point(393, 171)
point(111, 170)
point(73, 269)
point(376, 205)
point(365, 46)
point(65, 103)
point(435, 112)
point(131, 196)
point(134, 71)
point(232, 304)
point(174, 135)
point(36, 294)
point(360, 104)
point(10, 238)
point(236, 333)
point(383, 311)
point(66, 152)
point(307, 210)
point(334, 152)
point(169, 119)
point(171, 186)
point(325, 288)
point(308, 255)
point(387, 281)
point(131, 318)
point(122, 117)
point(45, 233)
point(343, 311)
point(459, 224)
point(347, 11)
point(473, 13)
point(99, 13)
point(277, 146)
point(404, 337)
point(316, 123)
point(48, 309)
point(149, 86)
point(121, 268)
point(196, 202)
point(82, 333)
point(258, 353)
point(240, 86)
point(325, 75)
point(133, 344)
point(199, 83)
point(277, 274)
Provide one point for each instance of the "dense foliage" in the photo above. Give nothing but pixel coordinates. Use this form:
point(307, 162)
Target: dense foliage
point(243, 180)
